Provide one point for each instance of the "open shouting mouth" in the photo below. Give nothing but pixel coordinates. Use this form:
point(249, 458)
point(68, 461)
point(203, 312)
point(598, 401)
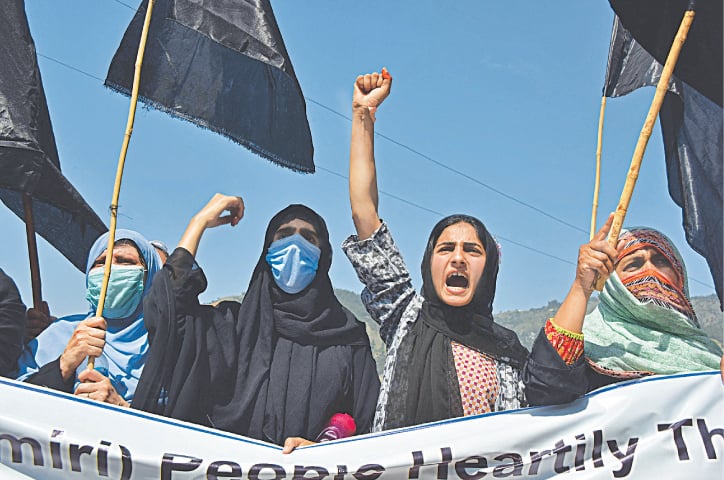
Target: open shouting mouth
point(456, 281)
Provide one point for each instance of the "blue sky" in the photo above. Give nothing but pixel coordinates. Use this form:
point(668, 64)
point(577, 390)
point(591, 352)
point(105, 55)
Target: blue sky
point(506, 92)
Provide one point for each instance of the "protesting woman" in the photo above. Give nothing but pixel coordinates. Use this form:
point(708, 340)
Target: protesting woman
point(118, 339)
point(446, 356)
point(281, 363)
point(644, 323)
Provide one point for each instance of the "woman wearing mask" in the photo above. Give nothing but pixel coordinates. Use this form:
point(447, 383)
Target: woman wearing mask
point(118, 338)
point(644, 323)
point(279, 364)
point(446, 357)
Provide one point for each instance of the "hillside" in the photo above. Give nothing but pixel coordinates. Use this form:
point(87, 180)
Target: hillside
point(526, 323)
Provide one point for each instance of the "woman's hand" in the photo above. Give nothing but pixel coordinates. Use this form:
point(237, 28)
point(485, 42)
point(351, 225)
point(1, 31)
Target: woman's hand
point(371, 90)
point(293, 442)
point(88, 340)
point(212, 215)
point(98, 387)
point(38, 320)
point(595, 259)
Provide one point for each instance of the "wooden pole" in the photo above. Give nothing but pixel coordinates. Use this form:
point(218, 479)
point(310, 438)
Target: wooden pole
point(121, 164)
point(633, 172)
point(597, 185)
point(32, 252)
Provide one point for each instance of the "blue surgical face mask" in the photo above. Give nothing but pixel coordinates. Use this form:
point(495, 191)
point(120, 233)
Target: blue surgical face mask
point(125, 290)
point(294, 262)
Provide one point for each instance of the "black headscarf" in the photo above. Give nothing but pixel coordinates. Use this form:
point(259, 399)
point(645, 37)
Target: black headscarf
point(285, 360)
point(313, 316)
point(430, 389)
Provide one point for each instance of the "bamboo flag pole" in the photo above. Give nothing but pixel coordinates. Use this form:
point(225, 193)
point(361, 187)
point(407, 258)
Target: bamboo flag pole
point(597, 185)
point(121, 164)
point(633, 172)
point(32, 252)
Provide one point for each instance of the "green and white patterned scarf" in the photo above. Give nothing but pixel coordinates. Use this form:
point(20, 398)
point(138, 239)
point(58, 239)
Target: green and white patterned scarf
point(625, 335)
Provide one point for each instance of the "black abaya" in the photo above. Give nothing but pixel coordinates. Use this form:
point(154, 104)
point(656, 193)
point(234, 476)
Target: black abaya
point(276, 365)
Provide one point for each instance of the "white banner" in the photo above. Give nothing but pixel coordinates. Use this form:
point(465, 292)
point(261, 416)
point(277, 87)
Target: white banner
point(660, 427)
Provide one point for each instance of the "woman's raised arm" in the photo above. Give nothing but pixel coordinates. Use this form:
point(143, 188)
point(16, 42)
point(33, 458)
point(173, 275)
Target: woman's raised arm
point(370, 91)
point(211, 216)
point(595, 258)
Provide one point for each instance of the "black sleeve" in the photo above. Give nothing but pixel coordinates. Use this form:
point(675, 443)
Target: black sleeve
point(366, 389)
point(49, 376)
point(170, 308)
point(174, 293)
point(547, 378)
point(12, 324)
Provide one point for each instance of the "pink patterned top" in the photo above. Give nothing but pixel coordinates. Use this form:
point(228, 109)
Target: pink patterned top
point(478, 379)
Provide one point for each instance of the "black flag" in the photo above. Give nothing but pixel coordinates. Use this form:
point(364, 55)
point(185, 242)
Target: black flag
point(691, 115)
point(28, 156)
point(223, 66)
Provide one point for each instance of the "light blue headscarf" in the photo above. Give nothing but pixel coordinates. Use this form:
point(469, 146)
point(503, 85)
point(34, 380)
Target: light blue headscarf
point(126, 338)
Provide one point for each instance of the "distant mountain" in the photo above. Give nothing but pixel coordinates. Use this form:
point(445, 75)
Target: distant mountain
point(352, 301)
point(526, 323)
point(710, 317)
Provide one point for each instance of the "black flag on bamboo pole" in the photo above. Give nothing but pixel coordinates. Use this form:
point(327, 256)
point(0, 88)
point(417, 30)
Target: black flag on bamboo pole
point(691, 115)
point(29, 166)
point(223, 66)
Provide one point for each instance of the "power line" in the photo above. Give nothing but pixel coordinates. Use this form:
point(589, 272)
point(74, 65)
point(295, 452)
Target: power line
point(457, 172)
point(70, 67)
point(473, 180)
point(125, 5)
point(386, 138)
point(700, 282)
point(408, 202)
point(442, 165)
point(416, 205)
